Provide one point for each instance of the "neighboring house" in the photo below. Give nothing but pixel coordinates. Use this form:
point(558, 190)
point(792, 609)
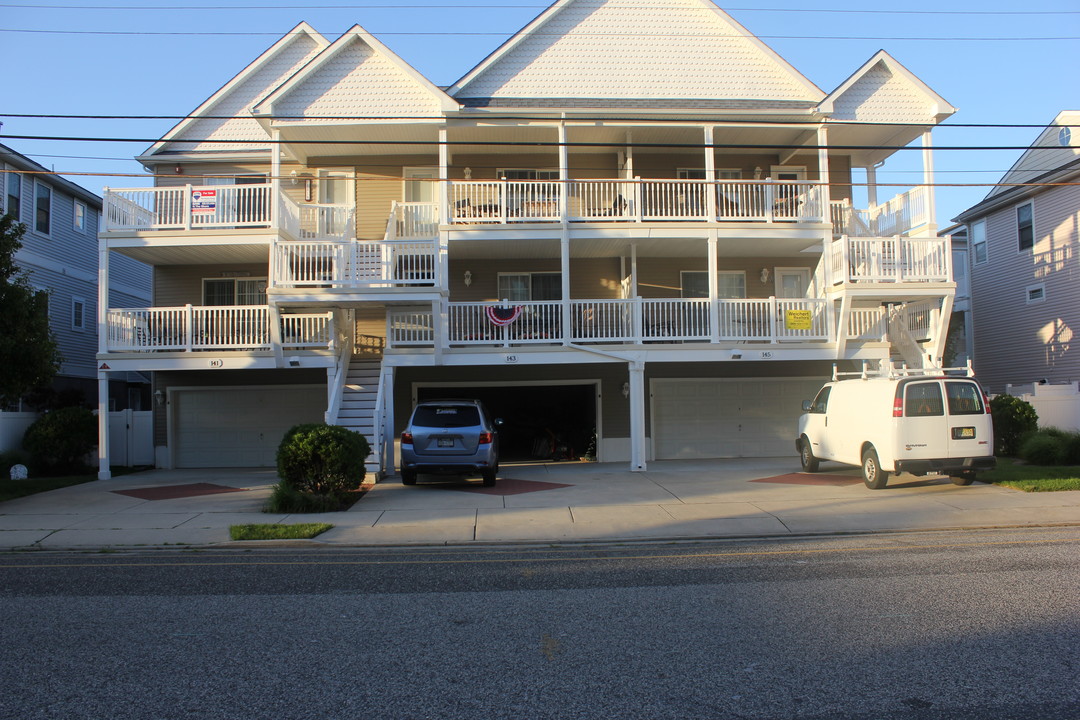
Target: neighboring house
point(1024, 242)
point(647, 247)
point(60, 255)
point(957, 352)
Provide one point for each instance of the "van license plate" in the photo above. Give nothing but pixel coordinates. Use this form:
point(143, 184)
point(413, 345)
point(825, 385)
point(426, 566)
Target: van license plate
point(963, 433)
point(449, 442)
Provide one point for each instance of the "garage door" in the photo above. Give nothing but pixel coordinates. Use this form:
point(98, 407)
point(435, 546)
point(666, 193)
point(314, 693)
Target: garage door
point(703, 418)
point(239, 427)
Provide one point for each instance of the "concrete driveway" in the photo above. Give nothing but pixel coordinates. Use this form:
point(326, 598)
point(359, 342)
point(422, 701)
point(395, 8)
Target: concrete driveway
point(537, 502)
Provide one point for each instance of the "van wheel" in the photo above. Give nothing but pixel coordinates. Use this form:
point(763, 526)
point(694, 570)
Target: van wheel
point(489, 478)
point(806, 456)
point(408, 477)
point(963, 479)
point(872, 474)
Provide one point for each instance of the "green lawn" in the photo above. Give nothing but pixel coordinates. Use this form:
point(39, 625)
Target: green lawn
point(1033, 478)
point(11, 489)
point(270, 531)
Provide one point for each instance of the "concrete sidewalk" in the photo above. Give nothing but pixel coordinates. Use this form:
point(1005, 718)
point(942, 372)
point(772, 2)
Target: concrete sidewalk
point(535, 503)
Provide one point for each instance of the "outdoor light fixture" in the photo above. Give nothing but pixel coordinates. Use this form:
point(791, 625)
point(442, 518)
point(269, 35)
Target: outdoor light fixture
point(468, 278)
point(764, 274)
point(179, 169)
point(626, 389)
point(468, 173)
point(159, 397)
point(295, 178)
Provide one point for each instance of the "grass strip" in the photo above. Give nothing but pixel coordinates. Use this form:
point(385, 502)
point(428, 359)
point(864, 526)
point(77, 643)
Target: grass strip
point(1033, 478)
point(275, 531)
point(11, 489)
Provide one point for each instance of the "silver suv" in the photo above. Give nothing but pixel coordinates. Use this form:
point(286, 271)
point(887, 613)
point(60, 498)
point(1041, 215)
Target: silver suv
point(450, 437)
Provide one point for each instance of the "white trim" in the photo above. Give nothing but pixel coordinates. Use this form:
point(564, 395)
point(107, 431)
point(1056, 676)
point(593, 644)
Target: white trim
point(235, 280)
point(943, 107)
point(803, 272)
point(595, 382)
point(1039, 290)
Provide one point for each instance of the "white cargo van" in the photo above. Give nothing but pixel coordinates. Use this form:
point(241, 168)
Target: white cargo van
point(913, 422)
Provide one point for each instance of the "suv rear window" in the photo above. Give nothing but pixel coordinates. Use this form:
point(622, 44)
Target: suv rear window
point(446, 416)
point(964, 398)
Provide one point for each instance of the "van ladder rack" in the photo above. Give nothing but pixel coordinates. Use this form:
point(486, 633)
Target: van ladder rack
point(891, 371)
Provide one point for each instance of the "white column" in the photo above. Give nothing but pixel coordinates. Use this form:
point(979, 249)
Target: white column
point(275, 182)
point(871, 186)
point(564, 267)
point(104, 473)
point(637, 416)
point(714, 308)
point(928, 181)
point(387, 461)
point(710, 174)
point(564, 173)
point(444, 191)
point(103, 294)
point(823, 171)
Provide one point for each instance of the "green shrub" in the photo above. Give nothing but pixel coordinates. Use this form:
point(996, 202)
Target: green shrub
point(1013, 418)
point(1043, 448)
point(60, 440)
point(322, 459)
point(1072, 450)
point(287, 499)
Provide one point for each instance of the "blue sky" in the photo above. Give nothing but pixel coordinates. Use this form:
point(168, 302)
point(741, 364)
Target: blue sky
point(57, 63)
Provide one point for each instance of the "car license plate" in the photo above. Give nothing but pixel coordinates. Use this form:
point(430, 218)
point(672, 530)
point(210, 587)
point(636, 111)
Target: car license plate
point(963, 433)
point(446, 442)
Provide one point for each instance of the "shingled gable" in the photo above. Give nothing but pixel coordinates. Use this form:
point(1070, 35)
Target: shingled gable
point(1046, 155)
point(883, 90)
point(355, 76)
point(612, 51)
point(229, 106)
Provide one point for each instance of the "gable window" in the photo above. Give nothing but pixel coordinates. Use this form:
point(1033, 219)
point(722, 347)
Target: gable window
point(79, 216)
point(78, 313)
point(1025, 228)
point(523, 287)
point(14, 195)
point(42, 208)
point(730, 284)
point(1035, 293)
point(978, 242)
point(234, 291)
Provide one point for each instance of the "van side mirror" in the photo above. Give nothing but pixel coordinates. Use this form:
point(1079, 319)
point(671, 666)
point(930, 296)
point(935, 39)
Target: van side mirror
point(807, 405)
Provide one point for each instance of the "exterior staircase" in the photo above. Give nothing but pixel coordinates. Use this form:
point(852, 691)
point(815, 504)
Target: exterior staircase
point(358, 399)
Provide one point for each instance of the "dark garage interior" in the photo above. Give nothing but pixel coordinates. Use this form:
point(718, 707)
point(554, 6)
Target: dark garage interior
point(540, 422)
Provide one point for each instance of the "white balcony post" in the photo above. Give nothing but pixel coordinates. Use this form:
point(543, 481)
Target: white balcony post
point(387, 384)
point(636, 319)
point(275, 182)
point(928, 182)
point(638, 208)
point(898, 258)
point(948, 259)
point(189, 326)
point(564, 259)
point(770, 198)
point(443, 212)
point(637, 416)
point(103, 296)
point(824, 192)
point(504, 198)
point(564, 170)
point(710, 176)
point(104, 472)
point(773, 310)
point(714, 306)
point(187, 206)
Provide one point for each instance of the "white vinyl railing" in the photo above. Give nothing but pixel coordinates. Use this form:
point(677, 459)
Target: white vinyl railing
point(413, 221)
point(615, 321)
point(236, 327)
point(895, 259)
point(898, 216)
point(867, 324)
point(321, 221)
point(352, 263)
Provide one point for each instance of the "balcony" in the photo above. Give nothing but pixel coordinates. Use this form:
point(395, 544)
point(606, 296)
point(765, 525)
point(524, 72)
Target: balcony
point(889, 260)
point(188, 208)
point(352, 264)
point(219, 328)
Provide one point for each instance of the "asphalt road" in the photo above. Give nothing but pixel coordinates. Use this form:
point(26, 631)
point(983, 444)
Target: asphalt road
point(931, 625)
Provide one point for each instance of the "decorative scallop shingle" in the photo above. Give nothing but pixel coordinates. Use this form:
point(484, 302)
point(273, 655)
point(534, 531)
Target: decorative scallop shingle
point(638, 49)
point(881, 95)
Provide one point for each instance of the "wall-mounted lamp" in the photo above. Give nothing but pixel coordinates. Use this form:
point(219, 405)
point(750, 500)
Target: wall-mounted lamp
point(736, 354)
point(159, 397)
point(468, 173)
point(764, 274)
point(178, 169)
point(468, 278)
point(295, 178)
point(626, 389)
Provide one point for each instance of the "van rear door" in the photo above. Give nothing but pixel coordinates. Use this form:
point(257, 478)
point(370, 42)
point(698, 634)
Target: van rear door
point(925, 429)
point(969, 425)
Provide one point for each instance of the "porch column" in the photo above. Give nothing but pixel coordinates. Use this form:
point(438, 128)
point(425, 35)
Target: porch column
point(637, 416)
point(104, 473)
point(928, 182)
point(386, 381)
point(714, 308)
point(564, 174)
point(103, 294)
point(710, 174)
point(275, 182)
point(444, 191)
point(823, 172)
point(871, 186)
point(564, 267)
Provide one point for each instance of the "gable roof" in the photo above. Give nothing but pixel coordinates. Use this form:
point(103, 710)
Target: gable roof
point(611, 50)
point(229, 106)
point(1047, 154)
point(357, 75)
point(883, 90)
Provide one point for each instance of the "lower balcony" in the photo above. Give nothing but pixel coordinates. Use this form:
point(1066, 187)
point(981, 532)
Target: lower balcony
point(217, 328)
point(632, 322)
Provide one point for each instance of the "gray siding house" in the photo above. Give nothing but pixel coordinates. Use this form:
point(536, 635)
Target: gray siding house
point(1024, 262)
point(60, 254)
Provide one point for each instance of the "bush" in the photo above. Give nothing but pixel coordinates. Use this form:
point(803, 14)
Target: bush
point(287, 499)
point(322, 459)
point(1013, 418)
point(59, 441)
point(1043, 448)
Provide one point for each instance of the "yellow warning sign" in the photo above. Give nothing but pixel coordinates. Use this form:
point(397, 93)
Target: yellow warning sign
point(798, 320)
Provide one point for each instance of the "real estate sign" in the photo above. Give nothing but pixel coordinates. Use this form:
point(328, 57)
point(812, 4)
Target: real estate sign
point(203, 201)
point(798, 320)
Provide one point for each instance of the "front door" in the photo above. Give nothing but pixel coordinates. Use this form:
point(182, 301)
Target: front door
point(792, 282)
point(420, 185)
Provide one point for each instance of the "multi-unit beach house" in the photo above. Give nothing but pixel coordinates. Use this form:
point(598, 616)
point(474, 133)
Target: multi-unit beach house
point(635, 232)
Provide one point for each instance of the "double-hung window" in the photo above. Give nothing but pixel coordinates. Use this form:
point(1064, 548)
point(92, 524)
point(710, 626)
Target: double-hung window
point(521, 287)
point(14, 196)
point(1025, 227)
point(79, 216)
point(977, 231)
point(42, 208)
point(234, 291)
point(730, 284)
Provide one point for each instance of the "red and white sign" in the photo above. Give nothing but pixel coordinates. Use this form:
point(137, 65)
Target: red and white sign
point(203, 201)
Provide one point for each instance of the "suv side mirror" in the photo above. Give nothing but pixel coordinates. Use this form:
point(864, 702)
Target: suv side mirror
point(807, 405)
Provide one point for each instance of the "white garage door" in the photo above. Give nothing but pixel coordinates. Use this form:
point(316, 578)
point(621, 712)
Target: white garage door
point(239, 427)
point(704, 418)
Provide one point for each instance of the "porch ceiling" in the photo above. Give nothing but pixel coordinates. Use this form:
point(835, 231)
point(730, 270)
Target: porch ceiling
point(329, 144)
point(658, 247)
point(198, 254)
point(871, 135)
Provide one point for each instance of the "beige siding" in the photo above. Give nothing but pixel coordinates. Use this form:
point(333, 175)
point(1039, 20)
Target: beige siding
point(176, 285)
point(661, 277)
point(589, 278)
point(1017, 342)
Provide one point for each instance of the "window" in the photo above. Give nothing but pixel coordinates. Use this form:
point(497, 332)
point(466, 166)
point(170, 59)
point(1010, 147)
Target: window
point(42, 208)
point(79, 216)
point(14, 195)
point(730, 284)
point(964, 398)
point(78, 314)
point(690, 174)
point(525, 174)
point(821, 402)
point(978, 242)
point(1025, 228)
point(530, 286)
point(234, 291)
point(923, 400)
point(1035, 293)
